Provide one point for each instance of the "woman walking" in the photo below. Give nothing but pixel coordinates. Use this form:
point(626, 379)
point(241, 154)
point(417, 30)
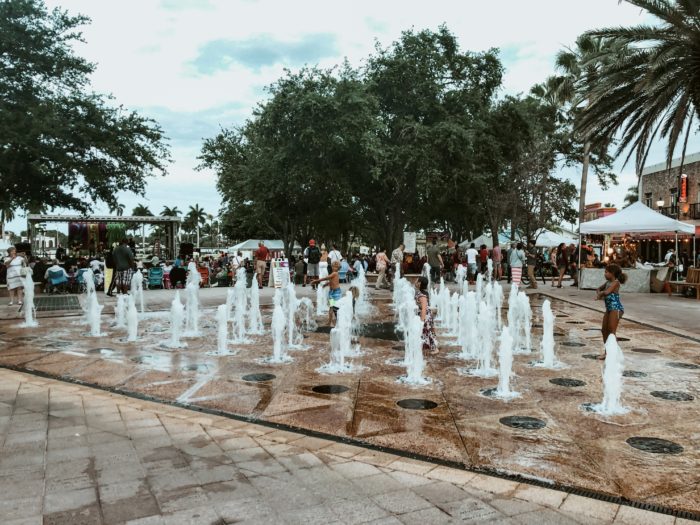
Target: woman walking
point(516, 262)
point(429, 340)
point(562, 262)
point(382, 263)
point(14, 264)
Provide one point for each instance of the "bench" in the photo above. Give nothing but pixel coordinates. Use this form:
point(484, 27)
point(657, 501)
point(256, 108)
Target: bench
point(692, 280)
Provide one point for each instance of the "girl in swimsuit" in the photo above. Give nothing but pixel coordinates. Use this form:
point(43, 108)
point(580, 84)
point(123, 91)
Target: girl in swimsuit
point(610, 293)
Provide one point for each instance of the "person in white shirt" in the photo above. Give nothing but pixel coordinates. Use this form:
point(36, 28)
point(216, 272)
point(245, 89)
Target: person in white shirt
point(335, 255)
point(472, 256)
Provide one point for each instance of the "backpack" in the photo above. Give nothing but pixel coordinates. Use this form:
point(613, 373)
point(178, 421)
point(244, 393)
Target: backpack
point(314, 255)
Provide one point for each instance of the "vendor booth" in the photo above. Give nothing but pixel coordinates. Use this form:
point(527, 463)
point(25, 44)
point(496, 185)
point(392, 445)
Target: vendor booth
point(638, 220)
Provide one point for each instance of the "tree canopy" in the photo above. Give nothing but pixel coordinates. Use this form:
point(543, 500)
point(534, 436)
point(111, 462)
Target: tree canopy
point(416, 138)
point(61, 144)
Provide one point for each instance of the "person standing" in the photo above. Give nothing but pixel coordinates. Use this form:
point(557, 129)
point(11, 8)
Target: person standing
point(531, 256)
point(397, 258)
point(382, 261)
point(334, 255)
point(472, 256)
point(261, 255)
point(123, 259)
point(428, 337)
point(610, 293)
point(435, 261)
point(312, 255)
point(497, 258)
point(516, 261)
point(14, 263)
point(562, 262)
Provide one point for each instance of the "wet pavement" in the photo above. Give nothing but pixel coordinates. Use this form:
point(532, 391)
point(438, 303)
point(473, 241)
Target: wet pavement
point(545, 434)
point(71, 454)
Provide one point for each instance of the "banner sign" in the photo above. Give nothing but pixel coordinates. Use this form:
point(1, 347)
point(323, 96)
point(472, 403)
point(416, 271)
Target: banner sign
point(409, 241)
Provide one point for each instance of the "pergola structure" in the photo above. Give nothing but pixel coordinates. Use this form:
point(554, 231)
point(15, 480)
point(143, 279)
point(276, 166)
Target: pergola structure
point(172, 224)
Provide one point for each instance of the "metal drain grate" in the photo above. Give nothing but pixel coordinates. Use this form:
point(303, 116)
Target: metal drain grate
point(54, 303)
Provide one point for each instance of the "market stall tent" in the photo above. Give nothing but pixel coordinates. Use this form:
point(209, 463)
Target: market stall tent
point(550, 239)
point(252, 245)
point(636, 218)
point(486, 239)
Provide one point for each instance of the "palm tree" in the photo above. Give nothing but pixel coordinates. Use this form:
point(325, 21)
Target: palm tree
point(142, 210)
point(117, 208)
point(579, 67)
point(632, 195)
point(170, 212)
point(7, 214)
point(653, 88)
point(196, 216)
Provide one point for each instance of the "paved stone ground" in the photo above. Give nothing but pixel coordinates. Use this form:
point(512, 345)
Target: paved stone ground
point(75, 455)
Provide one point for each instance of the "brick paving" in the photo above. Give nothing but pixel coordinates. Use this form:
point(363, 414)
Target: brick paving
point(75, 455)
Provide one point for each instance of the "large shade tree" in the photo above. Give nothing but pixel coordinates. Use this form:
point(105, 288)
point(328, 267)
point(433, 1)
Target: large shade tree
point(62, 144)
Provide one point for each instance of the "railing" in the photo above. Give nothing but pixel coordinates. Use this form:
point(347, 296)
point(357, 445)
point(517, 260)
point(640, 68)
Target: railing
point(669, 211)
point(694, 211)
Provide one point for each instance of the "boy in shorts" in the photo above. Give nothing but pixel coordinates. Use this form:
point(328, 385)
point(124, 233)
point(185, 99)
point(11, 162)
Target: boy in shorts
point(334, 293)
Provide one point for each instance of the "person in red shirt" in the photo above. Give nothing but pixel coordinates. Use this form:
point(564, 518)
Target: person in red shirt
point(483, 257)
point(261, 255)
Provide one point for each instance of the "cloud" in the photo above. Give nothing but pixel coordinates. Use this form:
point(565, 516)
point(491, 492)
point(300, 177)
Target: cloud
point(264, 50)
point(179, 5)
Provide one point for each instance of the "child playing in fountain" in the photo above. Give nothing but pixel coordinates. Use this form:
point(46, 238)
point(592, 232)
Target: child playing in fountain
point(610, 293)
point(334, 293)
point(428, 337)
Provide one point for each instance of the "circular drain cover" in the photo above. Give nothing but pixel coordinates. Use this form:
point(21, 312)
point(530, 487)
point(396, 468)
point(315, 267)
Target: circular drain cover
point(575, 322)
point(561, 315)
point(633, 373)
point(687, 366)
point(654, 445)
point(524, 422)
point(488, 392)
point(100, 350)
point(258, 377)
point(63, 344)
point(623, 338)
point(592, 329)
point(417, 404)
point(671, 395)
point(323, 330)
point(590, 356)
point(398, 348)
point(572, 343)
point(536, 326)
point(565, 381)
point(559, 334)
point(646, 350)
point(195, 368)
point(24, 338)
point(330, 389)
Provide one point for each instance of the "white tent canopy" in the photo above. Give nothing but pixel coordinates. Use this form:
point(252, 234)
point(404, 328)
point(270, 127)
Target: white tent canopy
point(636, 218)
point(549, 239)
point(252, 244)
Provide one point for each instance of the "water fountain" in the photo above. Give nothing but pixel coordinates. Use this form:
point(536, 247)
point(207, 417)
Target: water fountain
point(612, 381)
point(479, 290)
point(406, 306)
point(547, 343)
point(497, 303)
point(239, 308)
point(341, 339)
point(486, 323)
point(94, 310)
point(489, 269)
point(137, 288)
point(460, 277)
point(413, 360)
point(524, 324)
point(442, 302)
point(132, 321)
point(294, 335)
point(89, 280)
point(177, 316)
point(505, 366)
point(222, 329)
point(255, 323)
point(120, 311)
point(306, 314)
point(28, 306)
point(279, 325)
point(363, 307)
point(453, 320)
point(322, 306)
point(468, 328)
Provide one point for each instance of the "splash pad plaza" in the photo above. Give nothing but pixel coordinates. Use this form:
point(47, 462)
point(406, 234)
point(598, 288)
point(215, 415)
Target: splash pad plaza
point(516, 390)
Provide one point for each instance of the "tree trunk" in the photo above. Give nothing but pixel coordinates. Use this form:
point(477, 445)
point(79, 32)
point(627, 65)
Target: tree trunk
point(584, 181)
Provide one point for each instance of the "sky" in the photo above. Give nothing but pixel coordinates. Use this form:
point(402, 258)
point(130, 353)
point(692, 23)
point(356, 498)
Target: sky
point(196, 66)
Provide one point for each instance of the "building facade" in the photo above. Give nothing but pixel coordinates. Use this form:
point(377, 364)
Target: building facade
point(596, 210)
point(673, 192)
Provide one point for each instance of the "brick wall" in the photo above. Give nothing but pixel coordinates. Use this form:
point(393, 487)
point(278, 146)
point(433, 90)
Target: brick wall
point(660, 183)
